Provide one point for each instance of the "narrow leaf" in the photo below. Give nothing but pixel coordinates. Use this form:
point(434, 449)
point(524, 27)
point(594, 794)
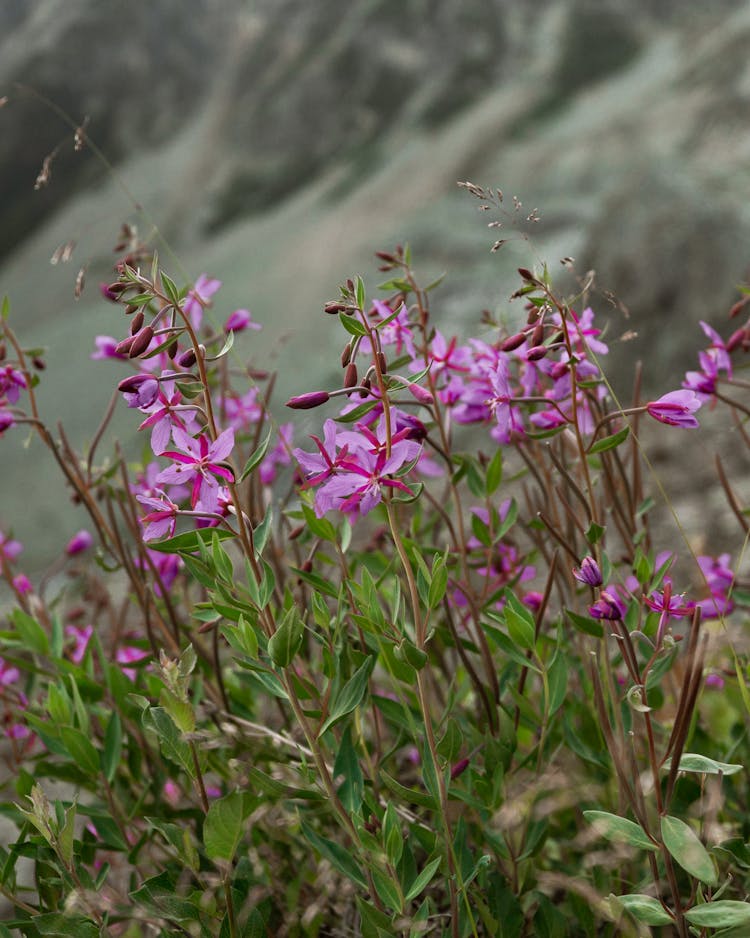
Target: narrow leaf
point(684, 845)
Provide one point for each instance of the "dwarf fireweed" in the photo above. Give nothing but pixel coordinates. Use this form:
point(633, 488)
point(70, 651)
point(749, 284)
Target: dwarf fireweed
point(428, 669)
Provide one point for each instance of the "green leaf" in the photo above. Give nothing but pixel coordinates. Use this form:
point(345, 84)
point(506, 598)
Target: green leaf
point(65, 836)
point(619, 829)
point(557, 677)
point(5, 308)
point(423, 880)
point(494, 472)
point(438, 583)
point(387, 890)
point(57, 925)
point(351, 694)
point(257, 456)
point(585, 624)
point(645, 908)
point(187, 543)
point(594, 533)
point(520, 629)
point(692, 762)
point(285, 642)
point(725, 913)
point(81, 749)
point(224, 826)
point(351, 790)
point(32, 635)
point(110, 756)
point(610, 442)
point(158, 895)
point(684, 845)
point(172, 745)
point(393, 839)
point(337, 855)
point(352, 325)
point(360, 293)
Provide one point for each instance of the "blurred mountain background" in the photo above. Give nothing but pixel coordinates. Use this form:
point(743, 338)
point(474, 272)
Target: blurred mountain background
point(276, 144)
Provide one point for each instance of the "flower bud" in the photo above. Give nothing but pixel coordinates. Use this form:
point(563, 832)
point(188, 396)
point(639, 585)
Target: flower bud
point(333, 308)
point(382, 363)
point(736, 339)
point(346, 356)
point(141, 342)
point(350, 375)
point(537, 352)
point(79, 543)
point(309, 400)
point(187, 359)
point(527, 274)
point(123, 348)
point(459, 768)
point(513, 342)
point(421, 394)
point(537, 336)
point(137, 322)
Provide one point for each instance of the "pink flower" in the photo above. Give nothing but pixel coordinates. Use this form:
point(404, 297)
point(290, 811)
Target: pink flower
point(22, 584)
point(239, 320)
point(676, 408)
point(130, 655)
point(79, 543)
point(9, 550)
point(11, 382)
point(81, 636)
point(106, 347)
point(160, 521)
point(199, 298)
point(199, 462)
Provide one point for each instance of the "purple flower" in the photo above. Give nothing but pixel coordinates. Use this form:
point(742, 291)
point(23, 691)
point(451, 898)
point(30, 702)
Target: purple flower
point(79, 543)
point(11, 382)
point(160, 521)
point(81, 636)
point(9, 550)
point(608, 606)
point(309, 400)
point(139, 390)
point(22, 584)
point(676, 408)
point(321, 465)
point(589, 572)
point(8, 674)
point(7, 420)
point(359, 486)
point(199, 462)
point(130, 655)
point(163, 416)
point(199, 298)
point(106, 347)
point(239, 320)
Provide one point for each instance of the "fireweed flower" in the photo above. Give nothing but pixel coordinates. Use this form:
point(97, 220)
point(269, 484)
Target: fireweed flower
point(81, 635)
point(79, 543)
point(199, 463)
point(242, 411)
point(139, 390)
point(676, 409)
point(12, 382)
point(199, 298)
point(160, 521)
point(7, 420)
point(164, 415)
point(608, 606)
point(130, 655)
point(106, 347)
point(9, 550)
point(589, 572)
point(321, 465)
point(240, 320)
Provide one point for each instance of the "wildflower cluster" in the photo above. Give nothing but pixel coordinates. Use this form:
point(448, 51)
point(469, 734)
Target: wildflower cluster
point(407, 684)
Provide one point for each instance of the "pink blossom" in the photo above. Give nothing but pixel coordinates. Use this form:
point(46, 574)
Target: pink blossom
point(199, 463)
point(22, 584)
point(239, 320)
point(130, 655)
point(81, 636)
point(106, 347)
point(9, 550)
point(199, 298)
point(160, 521)
point(676, 408)
point(11, 383)
point(79, 543)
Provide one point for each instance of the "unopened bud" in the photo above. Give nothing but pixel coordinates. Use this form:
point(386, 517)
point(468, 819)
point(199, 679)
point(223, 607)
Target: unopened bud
point(131, 308)
point(537, 352)
point(537, 336)
point(172, 350)
point(141, 342)
point(382, 363)
point(459, 768)
point(421, 394)
point(123, 348)
point(295, 532)
point(385, 256)
point(3, 351)
point(527, 274)
point(309, 400)
point(132, 383)
point(558, 370)
point(738, 307)
point(513, 342)
point(736, 339)
point(589, 572)
point(187, 359)
point(350, 375)
point(333, 308)
point(137, 322)
point(38, 363)
point(346, 356)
